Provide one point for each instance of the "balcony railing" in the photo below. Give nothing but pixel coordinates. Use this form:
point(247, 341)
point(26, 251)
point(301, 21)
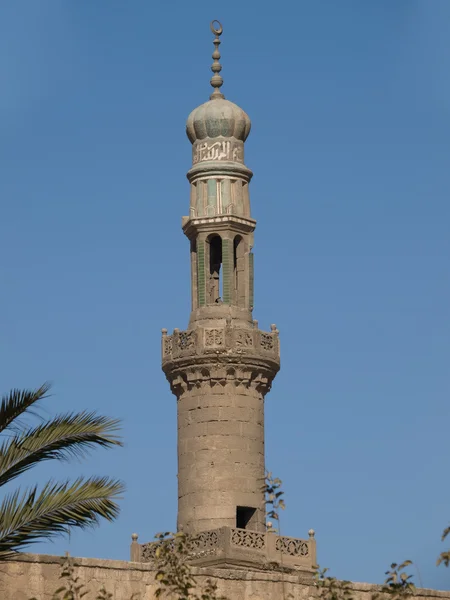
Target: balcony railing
point(213, 340)
point(229, 546)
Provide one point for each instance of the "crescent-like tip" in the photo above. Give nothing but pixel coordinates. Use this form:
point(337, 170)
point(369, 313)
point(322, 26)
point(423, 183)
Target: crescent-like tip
point(216, 27)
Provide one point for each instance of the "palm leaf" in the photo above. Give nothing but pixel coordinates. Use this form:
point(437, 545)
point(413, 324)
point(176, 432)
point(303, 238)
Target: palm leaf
point(17, 402)
point(65, 436)
point(32, 516)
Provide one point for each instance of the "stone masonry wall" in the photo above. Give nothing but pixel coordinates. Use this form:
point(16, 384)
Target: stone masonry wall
point(220, 456)
point(37, 575)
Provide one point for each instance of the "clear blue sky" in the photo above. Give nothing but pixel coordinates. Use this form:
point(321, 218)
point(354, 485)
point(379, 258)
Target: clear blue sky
point(350, 107)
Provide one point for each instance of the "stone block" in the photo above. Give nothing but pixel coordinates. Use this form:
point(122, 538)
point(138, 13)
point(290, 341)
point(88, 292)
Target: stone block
point(225, 428)
point(237, 413)
point(219, 511)
point(193, 430)
point(248, 400)
point(252, 431)
point(205, 414)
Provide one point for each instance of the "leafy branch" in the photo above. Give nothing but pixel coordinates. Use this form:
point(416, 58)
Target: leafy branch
point(398, 584)
point(272, 489)
point(330, 588)
point(173, 572)
point(444, 557)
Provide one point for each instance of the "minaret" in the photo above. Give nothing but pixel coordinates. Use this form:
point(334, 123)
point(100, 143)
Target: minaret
point(222, 366)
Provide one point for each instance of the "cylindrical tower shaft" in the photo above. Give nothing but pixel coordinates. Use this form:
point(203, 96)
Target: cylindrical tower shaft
point(221, 454)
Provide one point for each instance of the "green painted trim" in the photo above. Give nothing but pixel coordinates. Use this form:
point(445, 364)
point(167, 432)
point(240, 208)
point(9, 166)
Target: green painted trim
point(251, 279)
point(201, 273)
point(227, 257)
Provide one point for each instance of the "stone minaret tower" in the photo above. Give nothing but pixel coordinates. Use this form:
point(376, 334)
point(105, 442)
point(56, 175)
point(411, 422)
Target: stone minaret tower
point(222, 366)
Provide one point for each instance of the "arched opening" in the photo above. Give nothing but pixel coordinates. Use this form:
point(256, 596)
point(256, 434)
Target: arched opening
point(215, 263)
point(239, 271)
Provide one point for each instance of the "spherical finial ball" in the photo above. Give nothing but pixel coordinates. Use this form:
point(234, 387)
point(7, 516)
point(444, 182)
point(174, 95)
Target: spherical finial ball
point(273, 327)
point(134, 537)
point(311, 533)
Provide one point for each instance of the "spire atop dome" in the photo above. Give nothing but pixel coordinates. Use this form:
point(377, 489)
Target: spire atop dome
point(216, 67)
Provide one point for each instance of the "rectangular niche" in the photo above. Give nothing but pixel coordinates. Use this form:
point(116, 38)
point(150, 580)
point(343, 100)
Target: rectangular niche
point(245, 516)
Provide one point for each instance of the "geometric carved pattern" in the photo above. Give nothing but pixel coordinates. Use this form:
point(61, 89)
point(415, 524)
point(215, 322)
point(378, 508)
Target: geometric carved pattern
point(186, 340)
point(251, 378)
point(248, 539)
point(243, 339)
point(204, 543)
point(168, 345)
point(292, 546)
point(148, 551)
point(214, 337)
point(220, 338)
point(266, 546)
point(248, 357)
point(267, 341)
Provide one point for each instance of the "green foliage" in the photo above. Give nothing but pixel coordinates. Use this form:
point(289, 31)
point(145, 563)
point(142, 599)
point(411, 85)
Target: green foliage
point(444, 557)
point(30, 515)
point(71, 589)
point(272, 489)
point(174, 576)
point(330, 588)
point(398, 584)
point(275, 503)
point(173, 573)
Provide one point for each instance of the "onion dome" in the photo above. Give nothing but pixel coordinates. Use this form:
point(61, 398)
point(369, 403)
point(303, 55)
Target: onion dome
point(217, 117)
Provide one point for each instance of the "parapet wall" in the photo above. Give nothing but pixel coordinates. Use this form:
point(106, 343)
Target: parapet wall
point(34, 575)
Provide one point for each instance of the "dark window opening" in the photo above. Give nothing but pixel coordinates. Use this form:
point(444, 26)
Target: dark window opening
point(244, 515)
point(215, 262)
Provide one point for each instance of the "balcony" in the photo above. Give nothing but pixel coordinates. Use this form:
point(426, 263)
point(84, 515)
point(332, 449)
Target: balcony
point(214, 341)
point(227, 547)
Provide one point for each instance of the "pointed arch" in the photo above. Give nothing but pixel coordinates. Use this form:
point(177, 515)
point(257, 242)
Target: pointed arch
point(214, 291)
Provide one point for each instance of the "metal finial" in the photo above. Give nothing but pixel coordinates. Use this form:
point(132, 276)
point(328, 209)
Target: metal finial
point(216, 79)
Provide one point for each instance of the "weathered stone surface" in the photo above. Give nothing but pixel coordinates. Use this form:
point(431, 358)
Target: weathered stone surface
point(37, 575)
point(220, 396)
point(222, 366)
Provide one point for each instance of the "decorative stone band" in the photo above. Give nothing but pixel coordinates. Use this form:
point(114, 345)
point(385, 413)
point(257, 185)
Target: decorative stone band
point(223, 356)
point(222, 149)
point(207, 341)
point(191, 225)
point(242, 546)
point(212, 168)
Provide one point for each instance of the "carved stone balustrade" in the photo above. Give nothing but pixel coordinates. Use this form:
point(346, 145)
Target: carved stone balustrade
point(226, 344)
point(227, 547)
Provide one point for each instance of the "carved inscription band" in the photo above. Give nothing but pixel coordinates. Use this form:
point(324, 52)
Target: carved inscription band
point(222, 150)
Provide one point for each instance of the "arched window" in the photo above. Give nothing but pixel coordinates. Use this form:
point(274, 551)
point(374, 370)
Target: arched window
point(215, 262)
point(239, 271)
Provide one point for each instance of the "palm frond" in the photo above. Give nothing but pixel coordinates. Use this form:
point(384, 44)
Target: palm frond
point(32, 516)
point(17, 402)
point(65, 436)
